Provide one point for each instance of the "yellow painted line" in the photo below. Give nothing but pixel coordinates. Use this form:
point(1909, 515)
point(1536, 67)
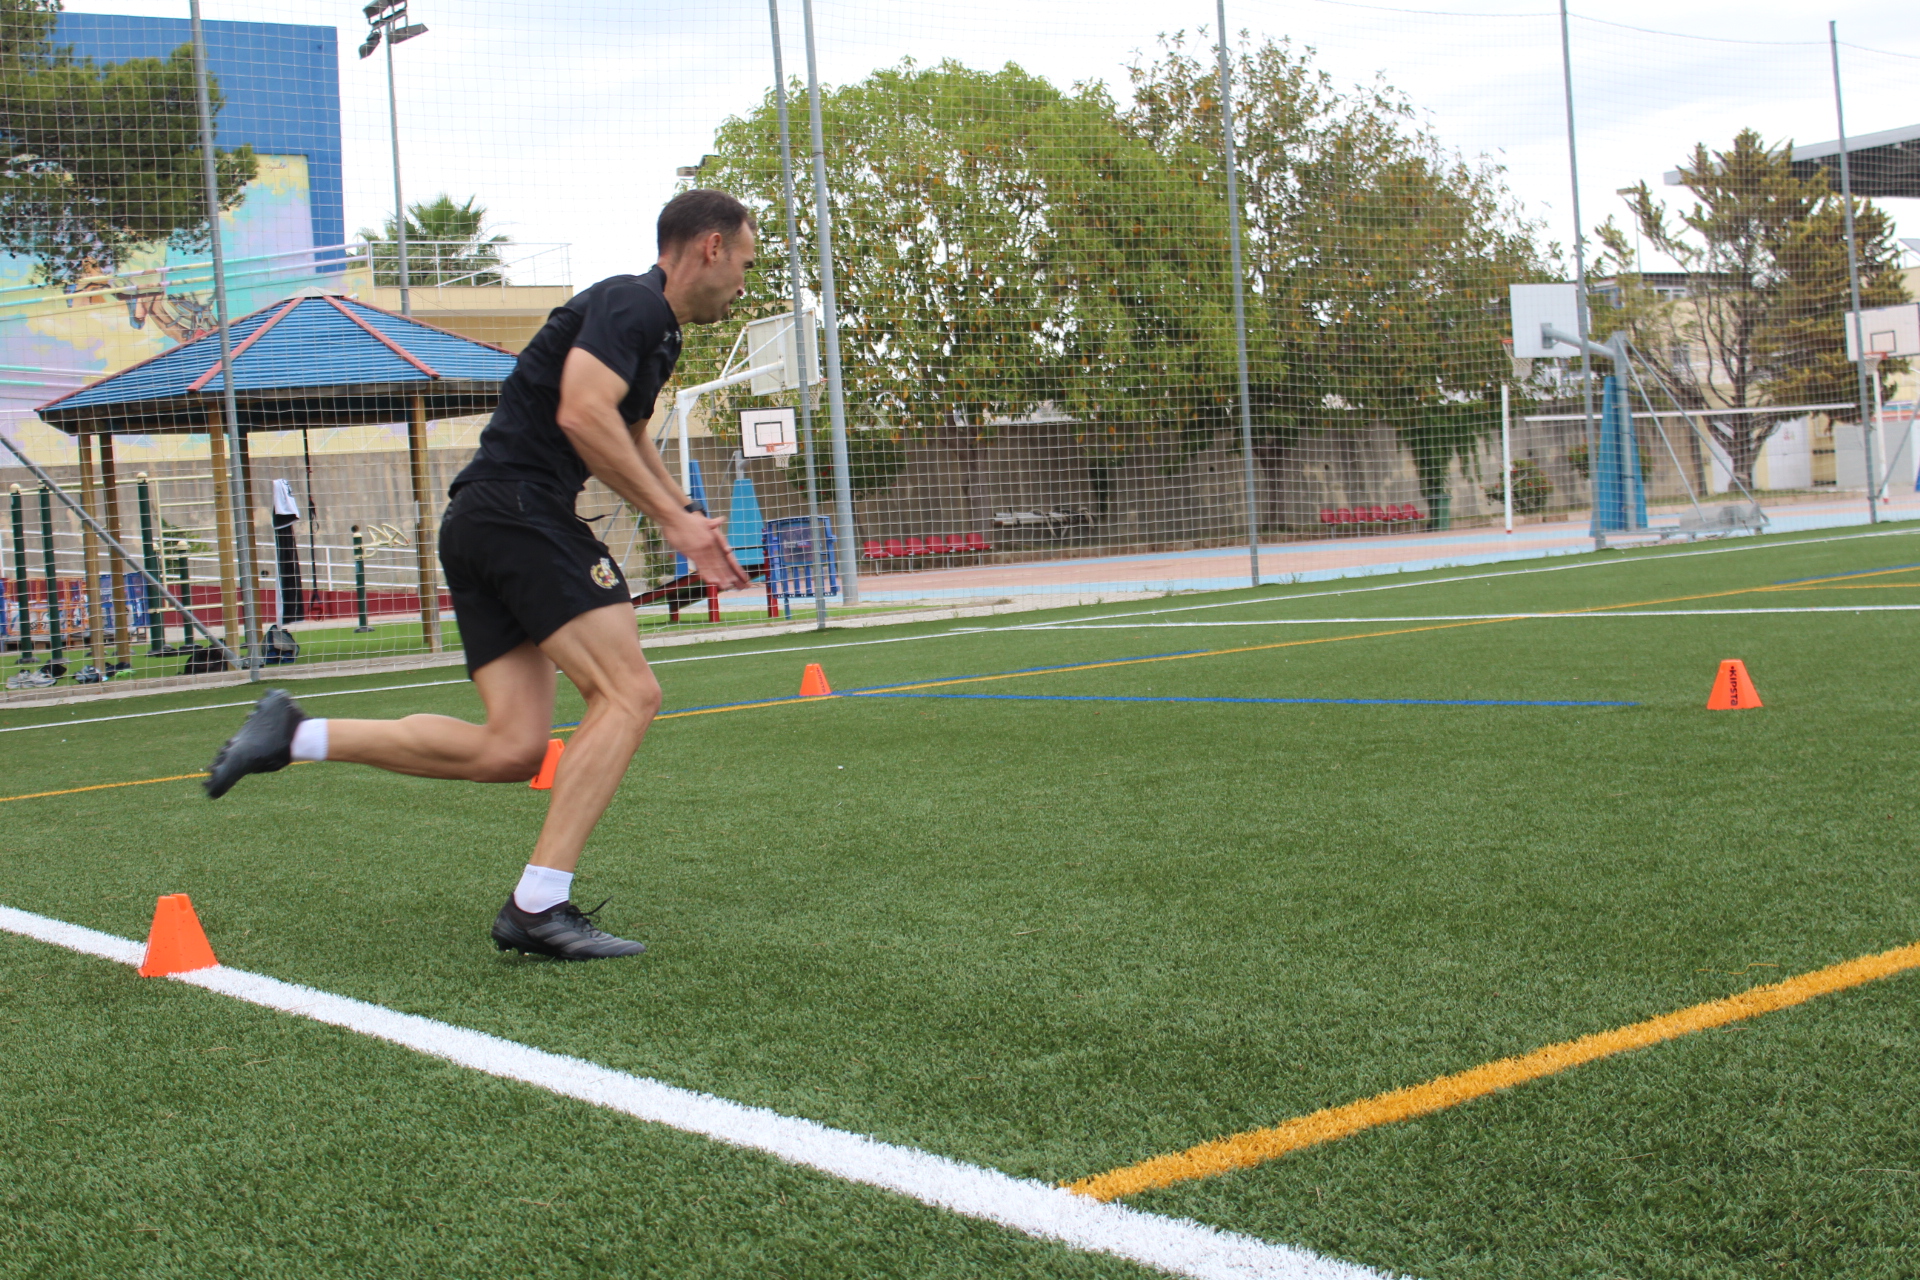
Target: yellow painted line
point(109, 786)
point(1244, 1150)
point(101, 786)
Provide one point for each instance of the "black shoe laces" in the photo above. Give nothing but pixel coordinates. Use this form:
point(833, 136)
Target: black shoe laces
point(586, 917)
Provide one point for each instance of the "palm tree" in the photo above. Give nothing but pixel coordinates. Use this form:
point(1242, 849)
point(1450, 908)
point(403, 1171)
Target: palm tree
point(445, 245)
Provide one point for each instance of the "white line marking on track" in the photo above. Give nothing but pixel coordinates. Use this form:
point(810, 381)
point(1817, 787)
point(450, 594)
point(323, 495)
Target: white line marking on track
point(1178, 1245)
point(1474, 617)
point(1066, 626)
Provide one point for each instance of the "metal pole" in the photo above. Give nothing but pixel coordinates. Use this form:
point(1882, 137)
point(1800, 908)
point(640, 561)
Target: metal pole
point(22, 598)
point(1853, 276)
point(1580, 282)
point(830, 316)
point(150, 561)
point(819, 543)
point(242, 518)
point(56, 645)
point(360, 579)
point(1506, 455)
point(399, 205)
point(1239, 301)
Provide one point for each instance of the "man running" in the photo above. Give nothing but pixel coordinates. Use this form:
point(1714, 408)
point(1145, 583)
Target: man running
point(532, 587)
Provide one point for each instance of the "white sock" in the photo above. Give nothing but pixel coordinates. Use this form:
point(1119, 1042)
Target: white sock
point(542, 888)
point(310, 740)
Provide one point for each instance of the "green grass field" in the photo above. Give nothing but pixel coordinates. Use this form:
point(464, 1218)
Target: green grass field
point(1051, 937)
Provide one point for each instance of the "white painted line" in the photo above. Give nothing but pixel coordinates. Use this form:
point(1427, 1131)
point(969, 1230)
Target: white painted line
point(1177, 1245)
point(1475, 617)
point(221, 706)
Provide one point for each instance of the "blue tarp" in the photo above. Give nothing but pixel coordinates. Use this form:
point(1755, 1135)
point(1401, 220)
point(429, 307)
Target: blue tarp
point(744, 525)
point(1620, 499)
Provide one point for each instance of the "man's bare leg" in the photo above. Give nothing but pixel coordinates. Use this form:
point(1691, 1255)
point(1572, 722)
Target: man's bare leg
point(517, 691)
point(600, 653)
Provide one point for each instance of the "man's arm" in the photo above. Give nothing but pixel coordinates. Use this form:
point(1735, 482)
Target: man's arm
point(590, 395)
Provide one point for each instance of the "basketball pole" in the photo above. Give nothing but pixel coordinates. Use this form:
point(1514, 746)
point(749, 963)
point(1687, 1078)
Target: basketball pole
point(1853, 277)
point(1239, 301)
point(1580, 282)
point(799, 337)
point(830, 316)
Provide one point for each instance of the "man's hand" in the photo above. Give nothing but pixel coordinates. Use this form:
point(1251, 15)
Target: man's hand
point(703, 541)
point(590, 396)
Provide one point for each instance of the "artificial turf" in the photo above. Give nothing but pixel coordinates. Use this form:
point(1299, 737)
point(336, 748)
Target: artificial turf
point(1055, 937)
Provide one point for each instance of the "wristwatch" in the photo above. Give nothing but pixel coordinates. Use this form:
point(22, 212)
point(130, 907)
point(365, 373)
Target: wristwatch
point(694, 508)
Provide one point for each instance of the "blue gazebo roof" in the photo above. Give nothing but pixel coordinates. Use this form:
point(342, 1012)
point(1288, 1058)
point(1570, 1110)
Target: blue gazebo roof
point(317, 359)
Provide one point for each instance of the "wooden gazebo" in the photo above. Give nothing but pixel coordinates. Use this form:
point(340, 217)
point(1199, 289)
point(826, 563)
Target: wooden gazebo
point(315, 360)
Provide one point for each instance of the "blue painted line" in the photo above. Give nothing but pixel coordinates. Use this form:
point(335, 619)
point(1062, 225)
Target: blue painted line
point(1315, 702)
point(1833, 577)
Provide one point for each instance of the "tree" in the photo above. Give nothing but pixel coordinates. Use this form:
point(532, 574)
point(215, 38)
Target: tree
point(97, 162)
point(1763, 319)
point(1377, 262)
point(1002, 244)
point(446, 244)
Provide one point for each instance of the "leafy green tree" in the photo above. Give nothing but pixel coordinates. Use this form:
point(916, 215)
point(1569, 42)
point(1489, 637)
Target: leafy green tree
point(97, 162)
point(1763, 319)
point(1002, 244)
point(446, 244)
point(1377, 262)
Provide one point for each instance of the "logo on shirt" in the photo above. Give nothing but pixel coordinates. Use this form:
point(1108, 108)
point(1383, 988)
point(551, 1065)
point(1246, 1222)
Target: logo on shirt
point(602, 574)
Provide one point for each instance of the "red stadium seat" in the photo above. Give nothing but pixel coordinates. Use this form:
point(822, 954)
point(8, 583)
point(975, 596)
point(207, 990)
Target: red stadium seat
point(1379, 515)
point(1329, 516)
point(915, 547)
point(936, 544)
point(977, 545)
point(894, 550)
point(872, 550)
point(1343, 516)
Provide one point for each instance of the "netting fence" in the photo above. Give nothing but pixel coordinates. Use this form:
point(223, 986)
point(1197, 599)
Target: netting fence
point(1032, 391)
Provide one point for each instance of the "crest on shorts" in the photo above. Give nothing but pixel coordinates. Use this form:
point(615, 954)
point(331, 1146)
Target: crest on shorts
point(602, 574)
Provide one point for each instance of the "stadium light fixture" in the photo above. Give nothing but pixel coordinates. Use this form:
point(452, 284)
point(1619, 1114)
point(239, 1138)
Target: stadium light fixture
point(388, 18)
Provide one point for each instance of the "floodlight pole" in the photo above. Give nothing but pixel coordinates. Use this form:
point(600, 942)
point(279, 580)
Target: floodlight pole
point(830, 316)
point(1239, 301)
point(1580, 282)
point(1853, 278)
point(237, 493)
point(399, 204)
point(818, 543)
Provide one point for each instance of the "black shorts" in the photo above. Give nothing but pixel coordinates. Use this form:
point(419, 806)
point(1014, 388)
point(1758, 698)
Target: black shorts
point(521, 565)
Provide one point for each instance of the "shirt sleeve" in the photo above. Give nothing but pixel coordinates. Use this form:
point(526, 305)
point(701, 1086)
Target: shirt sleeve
point(622, 327)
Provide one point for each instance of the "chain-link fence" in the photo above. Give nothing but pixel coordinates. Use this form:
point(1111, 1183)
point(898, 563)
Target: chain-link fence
point(1079, 348)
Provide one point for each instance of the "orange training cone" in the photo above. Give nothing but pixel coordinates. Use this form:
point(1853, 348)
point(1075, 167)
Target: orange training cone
point(543, 780)
point(1733, 689)
point(177, 943)
point(813, 682)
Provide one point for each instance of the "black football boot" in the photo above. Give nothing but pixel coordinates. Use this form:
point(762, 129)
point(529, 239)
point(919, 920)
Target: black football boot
point(564, 932)
point(263, 745)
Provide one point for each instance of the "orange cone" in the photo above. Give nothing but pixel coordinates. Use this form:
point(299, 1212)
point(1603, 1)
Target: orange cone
point(543, 780)
point(813, 683)
point(1733, 689)
point(177, 943)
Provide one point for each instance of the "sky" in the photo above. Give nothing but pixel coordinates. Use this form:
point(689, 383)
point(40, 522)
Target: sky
point(567, 120)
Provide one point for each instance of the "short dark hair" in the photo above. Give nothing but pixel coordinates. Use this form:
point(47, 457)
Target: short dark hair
point(692, 215)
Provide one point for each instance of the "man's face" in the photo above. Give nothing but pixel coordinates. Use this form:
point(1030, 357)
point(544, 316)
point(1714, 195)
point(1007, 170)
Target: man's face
point(718, 275)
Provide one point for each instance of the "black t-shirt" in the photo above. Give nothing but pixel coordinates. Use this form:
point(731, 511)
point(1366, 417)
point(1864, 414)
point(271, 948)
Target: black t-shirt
point(625, 322)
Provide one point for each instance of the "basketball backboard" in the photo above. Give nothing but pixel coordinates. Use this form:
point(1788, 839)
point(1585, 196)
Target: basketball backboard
point(770, 341)
point(1890, 331)
point(768, 433)
point(1535, 305)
